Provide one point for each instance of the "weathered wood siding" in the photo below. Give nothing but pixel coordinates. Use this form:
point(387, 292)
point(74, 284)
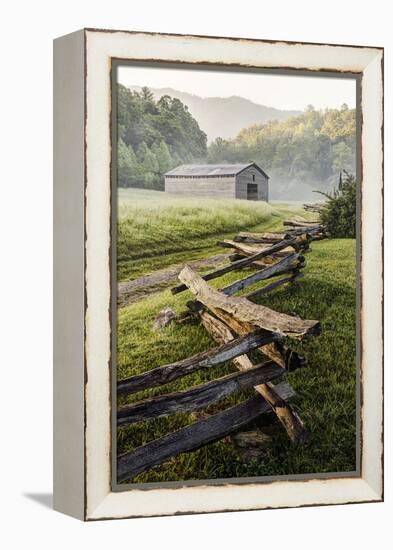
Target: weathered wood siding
point(246, 177)
point(226, 187)
point(216, 187)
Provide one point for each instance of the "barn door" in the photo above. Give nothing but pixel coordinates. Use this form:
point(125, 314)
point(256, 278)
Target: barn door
point(252, 191)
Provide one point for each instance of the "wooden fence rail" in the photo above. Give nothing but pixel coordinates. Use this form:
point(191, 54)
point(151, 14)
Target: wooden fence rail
point(198, 396)
point(246, 311)
point(239, 326)
point(206, 359)
point(241, 263)
point(275, 284)
point(313, 207)
point(264, 238)
point(195, 435)
point(286, 265)
point(293, 425)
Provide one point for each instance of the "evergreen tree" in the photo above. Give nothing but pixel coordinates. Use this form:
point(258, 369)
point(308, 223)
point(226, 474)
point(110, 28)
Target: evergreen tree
point(300, 152)
point(163, 157)
point(163, 133)
point(150, 163)
point(141, 152)
point(126, 164)
point(339, 212)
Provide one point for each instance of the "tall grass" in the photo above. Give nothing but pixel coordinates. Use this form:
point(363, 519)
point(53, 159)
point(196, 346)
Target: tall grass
point(325, 389)
point(152, 223)
point(157, 230)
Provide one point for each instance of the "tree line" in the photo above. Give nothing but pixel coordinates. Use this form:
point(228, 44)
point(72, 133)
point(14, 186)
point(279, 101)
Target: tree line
point(301, 153)
point(153, 137)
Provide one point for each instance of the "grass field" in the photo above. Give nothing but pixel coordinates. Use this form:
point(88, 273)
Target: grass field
point(325, 389)
point(156, 230)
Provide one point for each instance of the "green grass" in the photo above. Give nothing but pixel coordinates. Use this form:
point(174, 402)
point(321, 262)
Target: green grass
point(325, 389)
point(156, 230)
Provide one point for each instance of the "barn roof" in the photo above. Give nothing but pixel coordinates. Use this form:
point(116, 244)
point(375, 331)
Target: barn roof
point(211, 170)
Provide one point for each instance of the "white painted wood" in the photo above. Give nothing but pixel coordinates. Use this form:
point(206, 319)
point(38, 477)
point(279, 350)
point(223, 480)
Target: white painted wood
point(371, 272)
point(68, 398)
point(101, 501)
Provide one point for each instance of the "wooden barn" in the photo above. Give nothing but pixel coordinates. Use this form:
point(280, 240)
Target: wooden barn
point(229, 181)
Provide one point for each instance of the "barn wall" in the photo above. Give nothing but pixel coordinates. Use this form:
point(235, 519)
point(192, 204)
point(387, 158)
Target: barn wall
point(201, 187)
point(245, 177)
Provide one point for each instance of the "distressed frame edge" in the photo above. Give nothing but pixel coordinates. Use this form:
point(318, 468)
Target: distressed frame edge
point(236, 38)
point(360, 492)
point(374, 490)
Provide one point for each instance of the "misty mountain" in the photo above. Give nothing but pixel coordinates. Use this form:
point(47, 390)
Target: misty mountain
point(223, 116)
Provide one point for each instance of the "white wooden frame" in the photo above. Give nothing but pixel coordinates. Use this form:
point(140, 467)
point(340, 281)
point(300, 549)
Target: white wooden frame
point(82, 381)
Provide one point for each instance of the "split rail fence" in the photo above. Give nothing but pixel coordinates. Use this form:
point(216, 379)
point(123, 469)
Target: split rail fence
point(239, 326)
point(313, 207)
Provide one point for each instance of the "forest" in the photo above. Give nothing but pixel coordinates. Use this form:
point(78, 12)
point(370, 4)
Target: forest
point(153, 137)
point(300, 154)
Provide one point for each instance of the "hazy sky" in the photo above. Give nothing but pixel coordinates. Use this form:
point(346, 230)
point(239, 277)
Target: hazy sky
point(282, 92)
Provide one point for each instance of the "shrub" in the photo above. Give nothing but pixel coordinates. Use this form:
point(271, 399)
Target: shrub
point(339, 212)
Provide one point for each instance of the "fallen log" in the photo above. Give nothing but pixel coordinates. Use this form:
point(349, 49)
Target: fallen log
point(291, 262)
point(290, 420)
point(246, 311)
point(206, 359)
point(199, 396)
point(241, 263)
point(193, 436)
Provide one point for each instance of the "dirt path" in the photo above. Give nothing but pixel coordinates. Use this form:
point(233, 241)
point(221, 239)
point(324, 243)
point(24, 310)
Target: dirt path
point(130, 292)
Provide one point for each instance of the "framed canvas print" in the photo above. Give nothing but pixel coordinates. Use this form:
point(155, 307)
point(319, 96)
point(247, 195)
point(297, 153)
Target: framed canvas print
point(218, 274)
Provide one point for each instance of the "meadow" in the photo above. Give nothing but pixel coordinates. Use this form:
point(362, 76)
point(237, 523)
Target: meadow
point(170, 231)
point(156, 230)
